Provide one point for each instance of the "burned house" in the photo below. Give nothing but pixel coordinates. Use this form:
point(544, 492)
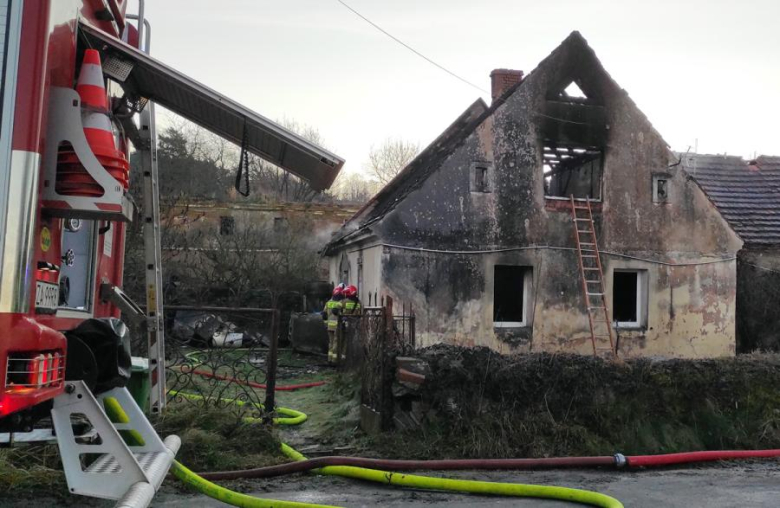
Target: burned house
point(477, 233)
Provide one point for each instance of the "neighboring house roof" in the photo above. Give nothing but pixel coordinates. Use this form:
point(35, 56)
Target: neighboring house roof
point(770, 168)
point(746, 193)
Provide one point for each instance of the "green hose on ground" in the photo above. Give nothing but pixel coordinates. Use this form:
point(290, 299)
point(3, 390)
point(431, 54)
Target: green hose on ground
point(293, 417)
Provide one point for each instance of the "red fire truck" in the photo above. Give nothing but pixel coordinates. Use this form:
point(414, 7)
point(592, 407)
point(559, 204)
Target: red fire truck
point(77, 89)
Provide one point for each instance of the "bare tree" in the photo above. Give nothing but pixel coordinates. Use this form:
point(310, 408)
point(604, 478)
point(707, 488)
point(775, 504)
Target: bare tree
point(353, 188)
point(387, 160)
point(210, 264)
point(196, 163)
point(278, 184)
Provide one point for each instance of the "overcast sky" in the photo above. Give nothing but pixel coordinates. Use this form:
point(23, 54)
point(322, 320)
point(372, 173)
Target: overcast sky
point(699, 69)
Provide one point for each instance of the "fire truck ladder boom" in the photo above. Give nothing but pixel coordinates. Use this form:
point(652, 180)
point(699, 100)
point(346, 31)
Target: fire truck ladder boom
point(153, 260)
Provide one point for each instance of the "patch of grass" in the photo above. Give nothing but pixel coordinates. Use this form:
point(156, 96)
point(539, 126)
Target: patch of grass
point(217, 438)
point(214, 438)
point(28, 470)
point(289, 359)
point(482, 404)
point(333, 410)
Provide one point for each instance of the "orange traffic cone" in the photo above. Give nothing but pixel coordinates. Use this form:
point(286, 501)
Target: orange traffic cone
point(72, 178)
point(90, 85)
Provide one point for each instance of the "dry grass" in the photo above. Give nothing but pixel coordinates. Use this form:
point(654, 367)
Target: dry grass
point(545, 405)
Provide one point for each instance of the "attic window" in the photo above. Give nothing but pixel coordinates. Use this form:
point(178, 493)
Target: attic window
point(661, 188)
point(481, 177)
point(570, 93)
point(572, 170)
point(574, 92)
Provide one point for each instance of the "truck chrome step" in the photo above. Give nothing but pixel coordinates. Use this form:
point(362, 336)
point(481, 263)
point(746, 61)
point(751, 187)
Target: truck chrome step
point(128, 472)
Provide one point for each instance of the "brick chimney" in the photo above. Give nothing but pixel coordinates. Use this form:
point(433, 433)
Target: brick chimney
point(502, 79)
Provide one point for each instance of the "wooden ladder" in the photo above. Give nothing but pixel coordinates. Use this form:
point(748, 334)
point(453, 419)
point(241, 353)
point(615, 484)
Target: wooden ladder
point(592, 276)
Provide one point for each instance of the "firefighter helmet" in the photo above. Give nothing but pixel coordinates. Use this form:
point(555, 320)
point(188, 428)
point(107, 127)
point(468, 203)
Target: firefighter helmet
point(350, 292)
point(338, 291)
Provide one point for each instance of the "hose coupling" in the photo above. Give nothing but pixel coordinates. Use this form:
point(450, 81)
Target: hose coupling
point(620, 461)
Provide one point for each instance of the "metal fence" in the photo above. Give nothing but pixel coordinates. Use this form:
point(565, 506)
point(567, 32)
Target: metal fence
point(368, 345)
point(217, 356)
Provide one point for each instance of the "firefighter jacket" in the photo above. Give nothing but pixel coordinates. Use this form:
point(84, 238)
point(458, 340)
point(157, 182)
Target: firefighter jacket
point(352, 307)
point(332, 310)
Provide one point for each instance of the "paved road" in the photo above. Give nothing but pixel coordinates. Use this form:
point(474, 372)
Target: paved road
point(753, 484)
point(744, 485)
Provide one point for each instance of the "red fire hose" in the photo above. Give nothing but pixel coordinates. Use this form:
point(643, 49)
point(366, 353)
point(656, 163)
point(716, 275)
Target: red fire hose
point(618, 461)
point(671, 459)
point(287, 388)
point(411, 465)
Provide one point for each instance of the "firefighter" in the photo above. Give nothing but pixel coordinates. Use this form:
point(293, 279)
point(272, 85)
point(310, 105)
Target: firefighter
point(331, 314)
point(352, 306)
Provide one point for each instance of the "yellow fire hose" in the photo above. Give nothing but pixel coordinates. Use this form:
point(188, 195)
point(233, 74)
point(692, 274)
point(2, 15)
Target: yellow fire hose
point(230, 497)
point(468, 486)
point(293, 417)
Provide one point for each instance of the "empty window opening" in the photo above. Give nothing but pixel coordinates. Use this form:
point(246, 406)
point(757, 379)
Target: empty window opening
point(660, 188)
point(481, 174)
point(628, 301)
point(481, 179)
point(227, 225)
point(510, 295)
point(570, 169)
point(344, 269)
point(573, 91)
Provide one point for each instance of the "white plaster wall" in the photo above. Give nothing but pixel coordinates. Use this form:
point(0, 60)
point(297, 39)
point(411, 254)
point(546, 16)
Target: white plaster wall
point(372, 270)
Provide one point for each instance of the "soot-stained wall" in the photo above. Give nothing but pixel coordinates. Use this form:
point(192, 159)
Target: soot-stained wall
point(443, 240)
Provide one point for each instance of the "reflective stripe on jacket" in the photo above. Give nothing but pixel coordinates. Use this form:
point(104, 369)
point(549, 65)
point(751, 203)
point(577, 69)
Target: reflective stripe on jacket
point(352, 307)
point(333, 307)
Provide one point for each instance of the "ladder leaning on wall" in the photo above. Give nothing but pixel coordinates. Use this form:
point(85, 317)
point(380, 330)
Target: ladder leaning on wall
point(592, 277)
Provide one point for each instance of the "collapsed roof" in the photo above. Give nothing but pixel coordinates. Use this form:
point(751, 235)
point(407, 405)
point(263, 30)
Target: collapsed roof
point(574, 48)
point(747, 194)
